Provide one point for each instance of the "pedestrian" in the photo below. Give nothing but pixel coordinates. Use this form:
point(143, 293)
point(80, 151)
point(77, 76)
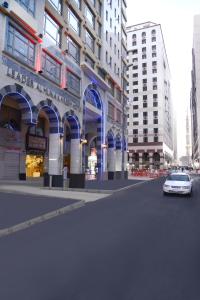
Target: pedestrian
point(65, 177)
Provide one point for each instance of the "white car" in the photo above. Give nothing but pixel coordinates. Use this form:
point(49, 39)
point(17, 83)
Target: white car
point(179, 183)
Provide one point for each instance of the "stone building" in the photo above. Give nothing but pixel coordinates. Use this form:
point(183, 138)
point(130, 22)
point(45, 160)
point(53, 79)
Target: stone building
point(61, 97)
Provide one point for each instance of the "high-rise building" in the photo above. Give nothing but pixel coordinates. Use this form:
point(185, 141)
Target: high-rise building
point(61, 89)
point(150, 120)
point(195, 93)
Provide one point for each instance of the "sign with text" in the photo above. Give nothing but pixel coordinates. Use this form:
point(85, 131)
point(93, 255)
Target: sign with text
point(36, 143)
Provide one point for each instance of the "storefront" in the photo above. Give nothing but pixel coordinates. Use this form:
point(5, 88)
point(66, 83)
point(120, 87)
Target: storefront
point(36, 147)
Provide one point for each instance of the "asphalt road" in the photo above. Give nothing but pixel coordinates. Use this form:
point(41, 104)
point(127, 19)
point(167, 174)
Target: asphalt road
point(134, 245)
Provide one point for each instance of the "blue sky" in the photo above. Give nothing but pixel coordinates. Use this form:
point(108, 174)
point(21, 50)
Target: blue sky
point(176, 19)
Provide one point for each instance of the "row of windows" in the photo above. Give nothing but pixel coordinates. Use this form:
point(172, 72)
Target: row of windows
point(145, 140)
point(144, 41)
point(145, 122)
point(145, 97)
point(145, 114)
point(143, 34)
point(29, 6)
point(21, 47)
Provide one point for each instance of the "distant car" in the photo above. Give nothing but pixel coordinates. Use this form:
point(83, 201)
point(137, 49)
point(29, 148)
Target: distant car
point(178, 183)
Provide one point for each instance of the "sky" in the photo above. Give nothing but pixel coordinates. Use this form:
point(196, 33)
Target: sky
point(176, 19)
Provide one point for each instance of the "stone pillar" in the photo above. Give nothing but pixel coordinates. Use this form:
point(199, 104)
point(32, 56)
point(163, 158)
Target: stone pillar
point(22, 165)
point(55, 161)
point(161, 162)
point(118, 161)
point(111, 163)
point(77, 178)
point(151, 161)
point(140, 161)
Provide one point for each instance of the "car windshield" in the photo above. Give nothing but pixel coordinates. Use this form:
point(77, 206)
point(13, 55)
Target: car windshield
point(177, 177)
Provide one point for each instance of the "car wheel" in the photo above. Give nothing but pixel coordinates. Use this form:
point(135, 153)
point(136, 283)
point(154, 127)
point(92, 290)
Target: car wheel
point(190, 194)
point(164, 193)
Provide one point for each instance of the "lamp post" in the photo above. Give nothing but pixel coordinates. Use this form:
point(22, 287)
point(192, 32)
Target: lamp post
point(124, 69)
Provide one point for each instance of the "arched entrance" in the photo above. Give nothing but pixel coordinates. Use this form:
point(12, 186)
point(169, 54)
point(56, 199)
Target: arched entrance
point(156, 160)
point(48, 132)
point(17, 113)
point(145, 160)
point(93, 128)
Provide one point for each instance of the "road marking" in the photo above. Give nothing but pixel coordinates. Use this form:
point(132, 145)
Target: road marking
point(40, 219)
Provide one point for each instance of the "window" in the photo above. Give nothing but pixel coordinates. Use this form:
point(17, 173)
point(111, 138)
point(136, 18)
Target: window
point(110, 42)
point(135, 98)
point(136, 123)
point(135, 75)
point(144, 72)
point(119, 116)
point(135, 140)
point(144, 49)
point(89, 40)
point(110, 22)
point(99, 29)
point(99, 51)
point(155, 139)
point(135, 91)
point(155, 96)
point(134, 43)
point(155, 121)
point(90, 17)
point(154, 55)
point(145, 105)
point(118, 95)
point(20, 46)
point(145, 122)
point(145, 139)
point(73, 50)
point(51, 67)
point(135, 115)
point(28, 5)
point(144, 41)
point(111, 111)
point(155, 104)
point(135, 82)
point(155, 87)
point(89, 61)
point(99, 7)
point(144, 80)
point(106, 35)
point(144, 56)
point(112, 86)
point(135, 106)
point(144, 97)
point(135, 67)
point(52, 30)
point(134, 36)
point(74, 22)
point(78, 3)
point(153, 39)
point(143, 34)
point(73, 83)
point(153, 47)
point(135, 51)
point(135, 131)
point(153, 32)
point(106, 15)
point(56, 4)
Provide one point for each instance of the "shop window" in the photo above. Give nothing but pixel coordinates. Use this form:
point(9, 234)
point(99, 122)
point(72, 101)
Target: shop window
point(73, 83)
point(20, 46)
point(51, 67)
point(52, 30)
point(28, 5)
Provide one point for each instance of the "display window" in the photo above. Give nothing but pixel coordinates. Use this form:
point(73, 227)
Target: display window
point(34, 165)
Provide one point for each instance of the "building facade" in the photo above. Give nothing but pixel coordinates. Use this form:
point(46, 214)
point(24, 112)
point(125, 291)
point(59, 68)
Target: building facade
point(195, 94)
point(60, 89)
point(150, 120)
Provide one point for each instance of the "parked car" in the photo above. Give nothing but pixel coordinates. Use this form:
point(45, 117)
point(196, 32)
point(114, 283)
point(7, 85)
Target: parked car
point(178, 183)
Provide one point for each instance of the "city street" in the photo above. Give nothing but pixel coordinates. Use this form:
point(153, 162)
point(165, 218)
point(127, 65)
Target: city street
point(135, 244)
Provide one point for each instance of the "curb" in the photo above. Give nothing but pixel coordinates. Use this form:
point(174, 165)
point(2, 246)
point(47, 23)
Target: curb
point(40, 219)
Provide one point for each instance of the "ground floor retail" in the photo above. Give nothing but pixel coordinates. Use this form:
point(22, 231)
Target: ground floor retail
point(149, 160)
point(39, 139)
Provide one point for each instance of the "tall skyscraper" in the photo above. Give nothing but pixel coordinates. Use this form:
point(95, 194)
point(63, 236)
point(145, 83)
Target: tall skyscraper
point(150, 122)
point(195, 93)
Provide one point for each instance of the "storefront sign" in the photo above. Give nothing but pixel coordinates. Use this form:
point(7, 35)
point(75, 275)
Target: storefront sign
point(36, 143)
point(10, 140)
point(34, 81)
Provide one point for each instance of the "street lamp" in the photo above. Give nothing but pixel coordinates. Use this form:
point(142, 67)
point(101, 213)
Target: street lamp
point(124, 69)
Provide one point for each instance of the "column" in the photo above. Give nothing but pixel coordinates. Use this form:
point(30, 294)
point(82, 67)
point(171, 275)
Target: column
point(55, 159)
point(140, 161)
point(151, 161)
point(161, 161)
point(77, 175)
point(111, 158)
point(118, 160)
point(75, 157)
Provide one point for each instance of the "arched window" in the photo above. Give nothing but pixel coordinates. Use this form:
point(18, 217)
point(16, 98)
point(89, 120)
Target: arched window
point(153, 32)
point(134, 36)
point(143, 34)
